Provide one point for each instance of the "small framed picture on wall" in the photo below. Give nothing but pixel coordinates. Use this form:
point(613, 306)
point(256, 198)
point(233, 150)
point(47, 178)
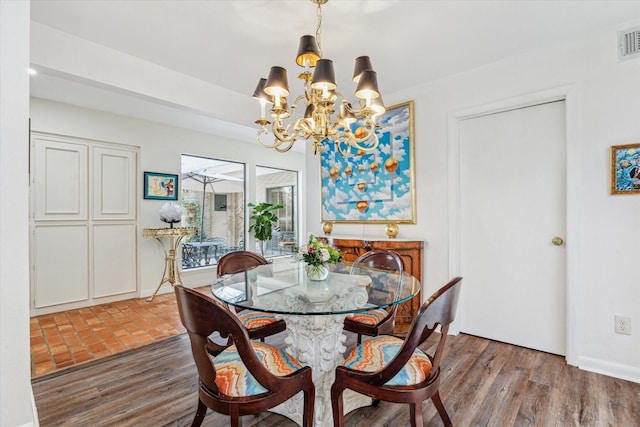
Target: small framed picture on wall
point(160, 186)
point(625, 169)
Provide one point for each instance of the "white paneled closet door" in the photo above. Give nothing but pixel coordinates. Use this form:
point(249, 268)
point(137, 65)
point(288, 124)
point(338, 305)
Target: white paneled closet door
point(84, 246)
point(113, 225)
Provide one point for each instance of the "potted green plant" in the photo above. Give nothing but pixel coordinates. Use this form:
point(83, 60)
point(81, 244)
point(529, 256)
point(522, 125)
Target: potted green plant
point(262, 221)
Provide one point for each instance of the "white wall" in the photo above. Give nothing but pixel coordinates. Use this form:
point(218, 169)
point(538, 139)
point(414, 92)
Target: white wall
point(160, 150)
point(15, 377)
point(604, 112)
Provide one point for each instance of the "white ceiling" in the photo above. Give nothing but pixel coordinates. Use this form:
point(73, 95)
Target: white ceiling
point(233, 43)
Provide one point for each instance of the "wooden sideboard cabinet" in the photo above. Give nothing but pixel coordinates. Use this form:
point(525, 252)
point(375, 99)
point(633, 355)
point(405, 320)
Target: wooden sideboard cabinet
point(411, 252)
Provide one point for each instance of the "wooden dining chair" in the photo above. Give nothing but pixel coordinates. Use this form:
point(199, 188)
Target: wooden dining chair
point(259, 324)
point(237, 376)
point(395, 370)
point(379, 321)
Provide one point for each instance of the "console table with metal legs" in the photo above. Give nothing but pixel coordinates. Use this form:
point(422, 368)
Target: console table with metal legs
point(171, 269)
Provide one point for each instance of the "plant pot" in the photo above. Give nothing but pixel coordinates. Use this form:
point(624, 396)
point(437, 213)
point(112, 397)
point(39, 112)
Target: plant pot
point(317, 272)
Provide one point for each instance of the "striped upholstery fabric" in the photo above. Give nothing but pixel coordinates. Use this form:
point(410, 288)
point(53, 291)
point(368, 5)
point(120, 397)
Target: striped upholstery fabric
point(374, 354)
point(255, 319)
point(234, 379)
point(372, 317)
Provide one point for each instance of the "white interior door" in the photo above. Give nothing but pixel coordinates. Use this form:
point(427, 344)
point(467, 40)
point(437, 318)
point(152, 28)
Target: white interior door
point(512, 205)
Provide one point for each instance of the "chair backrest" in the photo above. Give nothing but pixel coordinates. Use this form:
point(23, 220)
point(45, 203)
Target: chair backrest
point(438, 310)
point(203, 316)
point(237, 261)
point(380, 258)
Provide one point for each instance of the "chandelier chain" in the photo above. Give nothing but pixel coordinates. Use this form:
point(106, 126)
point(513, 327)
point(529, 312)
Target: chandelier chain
point(319, 29)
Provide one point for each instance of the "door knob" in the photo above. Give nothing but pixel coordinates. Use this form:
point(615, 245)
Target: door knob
point(558, 241)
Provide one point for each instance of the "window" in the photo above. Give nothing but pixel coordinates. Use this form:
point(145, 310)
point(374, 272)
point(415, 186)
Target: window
point(213, 195)
point(280, 187)
point(283, 196)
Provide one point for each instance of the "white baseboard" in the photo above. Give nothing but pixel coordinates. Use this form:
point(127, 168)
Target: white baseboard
point(34, 413)
point(616, 370)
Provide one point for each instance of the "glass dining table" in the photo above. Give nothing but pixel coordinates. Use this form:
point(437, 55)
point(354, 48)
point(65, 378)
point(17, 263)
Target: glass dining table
point(314, 312)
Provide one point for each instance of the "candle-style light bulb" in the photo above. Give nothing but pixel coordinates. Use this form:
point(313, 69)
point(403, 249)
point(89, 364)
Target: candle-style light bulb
point(263, 103)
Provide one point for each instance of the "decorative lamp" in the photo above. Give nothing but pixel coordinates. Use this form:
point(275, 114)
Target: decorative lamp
point(323, 121)
point(171, 213)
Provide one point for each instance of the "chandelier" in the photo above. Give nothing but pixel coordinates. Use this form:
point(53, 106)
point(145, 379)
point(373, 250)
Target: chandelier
point(321, 100)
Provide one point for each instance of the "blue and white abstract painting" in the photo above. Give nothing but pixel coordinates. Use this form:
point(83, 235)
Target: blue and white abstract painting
point(625, 169)
point(374, 186)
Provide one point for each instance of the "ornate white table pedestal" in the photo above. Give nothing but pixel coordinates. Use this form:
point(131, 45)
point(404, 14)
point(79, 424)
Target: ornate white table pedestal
point(318, 341)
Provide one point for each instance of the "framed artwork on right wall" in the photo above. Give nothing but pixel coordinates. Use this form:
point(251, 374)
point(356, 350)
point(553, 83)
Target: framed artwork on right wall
point(625, 169)
point(376, 186)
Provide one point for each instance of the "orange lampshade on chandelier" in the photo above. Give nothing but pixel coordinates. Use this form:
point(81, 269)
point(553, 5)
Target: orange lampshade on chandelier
point(328, 115)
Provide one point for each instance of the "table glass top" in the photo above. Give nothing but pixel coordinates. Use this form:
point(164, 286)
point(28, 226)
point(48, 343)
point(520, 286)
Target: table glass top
point(285, 289)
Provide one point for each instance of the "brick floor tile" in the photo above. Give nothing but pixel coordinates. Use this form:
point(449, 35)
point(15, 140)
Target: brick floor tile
point(40, 357)
point(129, 341)
point(97, 348)
point(63, 339)
point(36, 341)
point(53, 340)
point(43, 368)
point(145, 339)
point(62, 358)
point(65, 364)
point(82, 356)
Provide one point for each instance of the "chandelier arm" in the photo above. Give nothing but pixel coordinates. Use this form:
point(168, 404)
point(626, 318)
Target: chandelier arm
point(279, 136)
point(276, 143)
point(349, 138)
point(343, 153)
point(284, 150)
point(298, 99)
point(280, 114)
point(372, 147)
point(304, 129)
point(283, 135)
point(340, 95)
point(361, 113)
point(341, 135)
point(370, 127)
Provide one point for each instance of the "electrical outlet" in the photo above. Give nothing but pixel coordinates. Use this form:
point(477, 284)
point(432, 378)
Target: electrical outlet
point(623, 325)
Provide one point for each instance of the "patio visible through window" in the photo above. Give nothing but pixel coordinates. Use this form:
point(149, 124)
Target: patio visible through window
point(280, 187)
point(212, 193)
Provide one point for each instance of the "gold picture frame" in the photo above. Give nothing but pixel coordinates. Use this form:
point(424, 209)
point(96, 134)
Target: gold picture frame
point(376, 186)
point(625, 169)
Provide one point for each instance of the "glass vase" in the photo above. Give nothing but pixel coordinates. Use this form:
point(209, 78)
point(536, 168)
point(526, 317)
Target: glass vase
point(317, 272)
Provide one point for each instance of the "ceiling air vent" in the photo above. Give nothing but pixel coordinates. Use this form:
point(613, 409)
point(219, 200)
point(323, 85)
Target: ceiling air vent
point(629, 42)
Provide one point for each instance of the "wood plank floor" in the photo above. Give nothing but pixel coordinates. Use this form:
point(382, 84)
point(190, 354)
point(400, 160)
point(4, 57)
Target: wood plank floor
point(485, 383)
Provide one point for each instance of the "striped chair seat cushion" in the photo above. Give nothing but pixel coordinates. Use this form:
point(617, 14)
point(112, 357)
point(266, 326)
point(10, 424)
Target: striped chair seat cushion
point(372, 317)
point(234, 379)
point(376, 353)
point(255, 319)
